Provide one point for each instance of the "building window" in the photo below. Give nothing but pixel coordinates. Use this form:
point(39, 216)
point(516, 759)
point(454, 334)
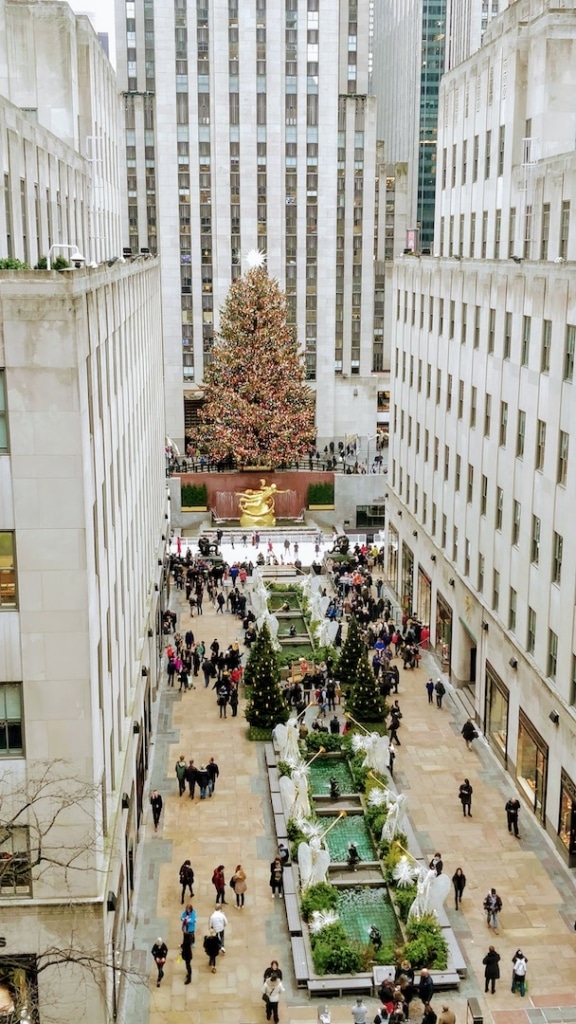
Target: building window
point(531, 632)
point(460, 399)
point(503, 424)
point(535, 542)
point(436, 453)
point(481, 568)
point(487, 415)
point(546, 345)
point(564, 230)
point(454, 544)
point(457, 473)
point(569, 352)
point(3, 413)
point(473, 405)
point(507, 335)
point(8, 596)
point(11, 743)
point(495, 590)
point(562, 471)
point(470, 487)
point(434, 518)
point(475, 158)
point(512, 610)
point(484, 497)
point(532, 765)
point(557, 546)
point(521, 434)
point(512, 231)
point(527, 231)
point(449, 393)
point(545, 231)
point(499, 508)
point(540, 444)
point(525, 355)
point(15, 868)
point(438, 386)
point(476, 326)
point(567, 815)
point(446, 462)
point(497, 234)
point(501, 149)
point(497, 700)
point(516, 516)
point(491, 329)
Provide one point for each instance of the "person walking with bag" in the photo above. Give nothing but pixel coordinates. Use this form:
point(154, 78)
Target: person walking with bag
point(219, 883)
point(186, 877)
point(159, 952)
point(491, 969)
point(212, 949)
point(459, 883)
point(492, 907)
point(465, 797)
point(519, 969)
point(188, 919)
point(239, 885)
point(272, 989)
point(180, 769)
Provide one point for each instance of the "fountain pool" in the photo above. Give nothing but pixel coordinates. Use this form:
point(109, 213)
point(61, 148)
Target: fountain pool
point(351, 829)
point(360, 907)
point(323, 769)
point(289, 597)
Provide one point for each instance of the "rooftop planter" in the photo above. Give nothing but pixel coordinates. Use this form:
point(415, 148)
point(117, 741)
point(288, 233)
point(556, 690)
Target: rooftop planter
point(321, 496)
point(194, 498)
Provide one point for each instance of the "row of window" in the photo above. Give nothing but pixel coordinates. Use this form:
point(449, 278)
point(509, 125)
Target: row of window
point(491, 247)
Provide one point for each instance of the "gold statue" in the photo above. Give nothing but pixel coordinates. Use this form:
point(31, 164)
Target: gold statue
point(257, 506)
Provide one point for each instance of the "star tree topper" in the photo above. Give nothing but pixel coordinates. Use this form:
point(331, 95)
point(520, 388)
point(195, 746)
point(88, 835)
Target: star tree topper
point(255, 259)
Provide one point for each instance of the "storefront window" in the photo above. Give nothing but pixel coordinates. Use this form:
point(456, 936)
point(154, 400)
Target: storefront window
point(532, 765)
point(443, 630)
point(393, 557)
point(407, 594)
point(496, 712)
point(424, 596)
point(567, 819)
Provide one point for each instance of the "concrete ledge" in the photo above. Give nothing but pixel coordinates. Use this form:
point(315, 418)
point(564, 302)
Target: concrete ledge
point(274, 780)
point(292, 913)
point(270, 755)
point(441, 979)
point(456, 961)
point(337, 985)
point(289, 882)
point(300, 960)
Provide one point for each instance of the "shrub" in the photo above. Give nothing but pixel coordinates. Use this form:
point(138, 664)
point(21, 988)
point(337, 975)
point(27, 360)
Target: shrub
point(10, 263)
point(60, 263)
point(386, 954)
point(375, 818)
point(404, 898)
point(328, 740)
point(321, 493)
point(321, 896)
point(193, 495)
point(333, 953)
point(284, 768)
point(359, 773)
point(426, 946)
point(258, 734)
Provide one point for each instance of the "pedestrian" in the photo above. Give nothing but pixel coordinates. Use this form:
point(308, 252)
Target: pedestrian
point(239, 886)
point(220, 601)
point(430, 690)
point(440, 691)
point(491, 969)
point(219, 883)
point(425, 986)
point(276, 877)
point(191, 778)
point(213, 771)
point(465, 797)
point(469, 733)
point(186, 954)
point(233, 700)
point(223, 700)
point(335, 726)
point(447, 1016)
point(203, 780)
point(159, 952)
point(492, 907)
point(156, 802)
point(459, 883)
point(437, 863)
point(188, 922)
point(359, 1011)
point(180, 769)
point(519, 968)
point(218, 922)
point(272, 989)
point(512, 808)
point(393, 727)
point(429, 1016)
point(186, 876)
point(212, 948)
point(391, 759)
point(274, 968)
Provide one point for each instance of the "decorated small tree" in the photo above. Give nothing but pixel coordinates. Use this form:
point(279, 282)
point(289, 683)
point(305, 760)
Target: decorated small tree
point(365, 703)
point(258, 408)
point(352, 650)
point(267, 705)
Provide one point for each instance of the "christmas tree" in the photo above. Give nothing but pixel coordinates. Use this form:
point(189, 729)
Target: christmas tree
point(352, 650)
point(257, 407)
point(366, 704)
point(267, 705)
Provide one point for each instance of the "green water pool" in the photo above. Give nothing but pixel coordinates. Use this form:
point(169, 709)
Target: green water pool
point(292, 598)
point(360, 908)
point(322, 770)
point(297, 621)
point(351, 829)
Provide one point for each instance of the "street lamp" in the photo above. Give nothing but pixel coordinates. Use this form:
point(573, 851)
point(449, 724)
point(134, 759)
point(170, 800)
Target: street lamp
point(75, 254)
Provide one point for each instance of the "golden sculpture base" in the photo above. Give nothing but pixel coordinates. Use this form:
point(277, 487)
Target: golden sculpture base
point(253, 521)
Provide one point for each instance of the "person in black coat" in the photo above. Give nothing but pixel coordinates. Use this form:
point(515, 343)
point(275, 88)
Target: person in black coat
point(491, 969)
point(156, 802)
point(465, 797)
point(186, 952)
point(429, 1016)
point(459, 883)
point(159, 952)
point(425, 986)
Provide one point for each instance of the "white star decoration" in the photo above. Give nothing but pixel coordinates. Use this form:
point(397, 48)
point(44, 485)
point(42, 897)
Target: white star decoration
point(255, 259)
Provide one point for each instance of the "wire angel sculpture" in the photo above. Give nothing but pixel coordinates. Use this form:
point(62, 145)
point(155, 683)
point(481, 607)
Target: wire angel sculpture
point(405, 872)
point(313, 862)
point(432, 891)
point(396, 812)
point(286, 739)
point(321, 919)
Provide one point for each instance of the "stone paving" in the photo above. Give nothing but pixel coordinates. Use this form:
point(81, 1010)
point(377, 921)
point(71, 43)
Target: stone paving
point(235, 826)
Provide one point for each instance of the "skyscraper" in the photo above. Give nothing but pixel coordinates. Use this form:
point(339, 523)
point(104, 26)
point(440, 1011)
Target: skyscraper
point(409, 58)
point(250, 125)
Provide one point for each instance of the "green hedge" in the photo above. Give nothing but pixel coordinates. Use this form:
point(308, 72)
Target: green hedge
point(321, 494)
point(321, 896)
point(194, 495)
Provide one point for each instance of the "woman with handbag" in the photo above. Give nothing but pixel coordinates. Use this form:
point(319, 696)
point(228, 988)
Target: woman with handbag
point(272, 989)
point(238, 883)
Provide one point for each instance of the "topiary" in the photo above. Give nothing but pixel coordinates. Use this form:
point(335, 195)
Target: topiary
point(321, 896)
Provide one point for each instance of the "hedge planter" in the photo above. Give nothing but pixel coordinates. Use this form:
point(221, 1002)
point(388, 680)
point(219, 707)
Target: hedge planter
point(194, 498)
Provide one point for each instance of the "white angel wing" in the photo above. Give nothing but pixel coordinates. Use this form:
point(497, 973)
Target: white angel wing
point(380, 755)
point(302, 799)
point(321, 863)
point(305, 865)
point(292, 732)
point(322, 633)
point(279, 734)
point(323, 603)
point(315, 584)
point(439, 890)
point(332, 630)
point(273, 625)
point(288, 791)
point(405, 872)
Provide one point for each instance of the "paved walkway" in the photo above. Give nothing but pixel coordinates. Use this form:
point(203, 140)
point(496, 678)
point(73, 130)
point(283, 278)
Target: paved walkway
point(235, 826)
